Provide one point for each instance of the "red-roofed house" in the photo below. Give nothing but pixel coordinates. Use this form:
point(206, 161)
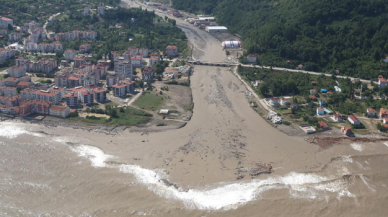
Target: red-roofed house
point(45, 95)
point(347, 130)
point(320, 111)
point(273, 101)
point(353, 120)
point(323, 125)
point(172, 51)
point(59, 111)
point(251, 58)
point(337, 117)
point(383, 113)
point(72, 99)
point(99, 94)
point(382, 81)
point(24, 84)
point(371, 112)
point(119, 90)
point(87, 97)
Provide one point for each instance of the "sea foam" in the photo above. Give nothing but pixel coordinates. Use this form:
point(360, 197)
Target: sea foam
point(224, 196)
point(12, 130)
point(357, 147)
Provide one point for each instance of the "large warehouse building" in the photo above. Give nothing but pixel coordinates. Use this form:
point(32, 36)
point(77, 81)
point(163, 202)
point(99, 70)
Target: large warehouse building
point(213, 29)
point(231, 44)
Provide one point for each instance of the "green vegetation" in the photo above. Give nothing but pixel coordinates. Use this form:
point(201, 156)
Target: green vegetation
point(128, 116)
point(174, 82)
point(119, 29)
point(298, 85)
point(325, 36)
point(149, 101)
point(22, 11)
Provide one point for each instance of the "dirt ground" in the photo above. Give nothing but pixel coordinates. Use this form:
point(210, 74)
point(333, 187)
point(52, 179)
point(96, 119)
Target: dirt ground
point(178, 98)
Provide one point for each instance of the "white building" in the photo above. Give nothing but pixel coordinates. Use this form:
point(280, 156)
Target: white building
point(101, 10)
point(59, 111)
point(16, 71)
point(213, 29)
point(4, 22)
point(69, 55)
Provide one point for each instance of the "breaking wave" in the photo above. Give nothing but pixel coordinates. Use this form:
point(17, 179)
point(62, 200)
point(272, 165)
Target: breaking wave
point(12, 130)
point(227, 195)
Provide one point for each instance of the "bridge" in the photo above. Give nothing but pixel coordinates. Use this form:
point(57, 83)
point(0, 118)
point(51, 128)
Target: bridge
point(212, 64)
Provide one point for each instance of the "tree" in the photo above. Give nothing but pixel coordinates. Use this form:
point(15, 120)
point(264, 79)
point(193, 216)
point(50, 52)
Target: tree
point(263, 88)
point(113, 113)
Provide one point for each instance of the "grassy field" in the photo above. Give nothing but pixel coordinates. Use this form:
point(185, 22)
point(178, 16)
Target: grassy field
point(126, 117)
point(149, 101)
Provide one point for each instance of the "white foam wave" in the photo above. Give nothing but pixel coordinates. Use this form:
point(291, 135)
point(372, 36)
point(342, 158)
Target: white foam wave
point(226, 195)
point(364, 179)
point(347, 159)
point(357, 147)
point(13, 130)
point(94, 154)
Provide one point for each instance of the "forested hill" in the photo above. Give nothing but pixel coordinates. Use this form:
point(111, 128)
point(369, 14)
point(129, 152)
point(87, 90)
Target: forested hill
point(349, 35)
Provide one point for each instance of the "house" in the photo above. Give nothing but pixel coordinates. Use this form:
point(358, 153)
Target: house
point(371, 112)
point(284, 101)
point(119, 90)
point(16, 71)
point(24, 84)
point(314, 83)
point(329, 93)
point(58, 90)
point(130, 86)
point(86, 11)
point(346, 131)
point(273, 101)
point(320, 111)
point(148, 73)
point(300, 66)
point(11, 81)
point(337, 117)
point(337, 71)
point(384, 126)
point(87, 97)
point(385, 120)
point(59, 111)
point(323, 125)
point(99, 94)
point(69, 55)
point(312, 97)
point(313, 92)
point(382, 81)
point(72, 99)
point(383, 113)
point(251, 58)
point(172, 51)
point(353, 120)
point(101, 10)
point(46, 95)
point(322, 103)
point(323, 91)
point(84, 48)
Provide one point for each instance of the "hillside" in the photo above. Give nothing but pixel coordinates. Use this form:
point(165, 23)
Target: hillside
point(323, 35)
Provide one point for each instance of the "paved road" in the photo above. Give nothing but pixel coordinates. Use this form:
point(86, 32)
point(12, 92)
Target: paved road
point(306, 72)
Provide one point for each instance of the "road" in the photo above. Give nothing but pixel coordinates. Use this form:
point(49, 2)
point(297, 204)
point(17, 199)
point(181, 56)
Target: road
point(305, 72)
point(50, 18)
